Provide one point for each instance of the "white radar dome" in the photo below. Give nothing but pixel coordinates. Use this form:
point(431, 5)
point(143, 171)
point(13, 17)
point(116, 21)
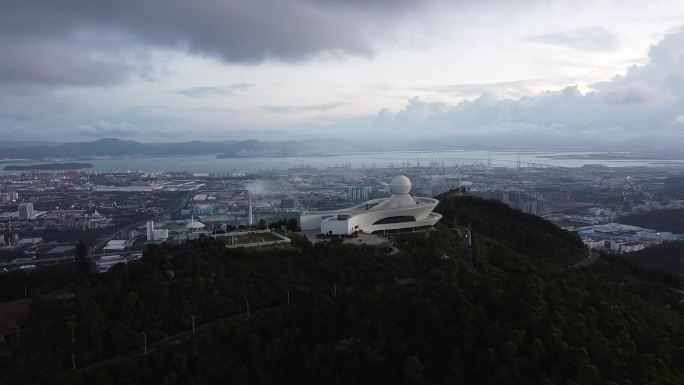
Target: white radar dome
point(400, 184)
point(194, 224)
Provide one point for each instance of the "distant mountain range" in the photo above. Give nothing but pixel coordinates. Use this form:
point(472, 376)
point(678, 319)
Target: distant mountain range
point(117, 147)
point(48, 166)
point(255, 148)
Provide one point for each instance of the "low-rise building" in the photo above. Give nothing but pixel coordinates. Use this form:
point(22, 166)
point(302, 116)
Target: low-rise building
point(26, 212)
point(117, 245)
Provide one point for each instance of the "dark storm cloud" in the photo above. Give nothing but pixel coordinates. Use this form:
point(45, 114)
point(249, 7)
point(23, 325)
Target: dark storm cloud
point(56, 63)
point(590, 39)
point(81, 42)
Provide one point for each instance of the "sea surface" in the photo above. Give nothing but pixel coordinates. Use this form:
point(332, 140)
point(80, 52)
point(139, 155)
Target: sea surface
point(212, 164)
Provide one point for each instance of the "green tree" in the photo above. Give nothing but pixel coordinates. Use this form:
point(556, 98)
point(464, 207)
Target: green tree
point(413, 370)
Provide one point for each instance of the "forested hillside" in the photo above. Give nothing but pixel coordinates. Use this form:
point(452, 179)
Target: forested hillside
point(336, 314)
point(528, 234)
point(667, 258)
point(671, 220)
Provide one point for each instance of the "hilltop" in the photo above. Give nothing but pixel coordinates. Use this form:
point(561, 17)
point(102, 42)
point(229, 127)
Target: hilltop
point(528, 234)
point(340, 314)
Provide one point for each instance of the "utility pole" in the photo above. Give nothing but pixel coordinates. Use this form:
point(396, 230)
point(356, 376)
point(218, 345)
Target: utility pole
point(288, 297)
point(73, 361)
point(247, 302)
point(334, 290)
point(192, 318)
point(145, 341)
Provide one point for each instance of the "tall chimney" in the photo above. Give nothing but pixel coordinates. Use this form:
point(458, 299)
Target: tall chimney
point(150, 231)
point(251, 220)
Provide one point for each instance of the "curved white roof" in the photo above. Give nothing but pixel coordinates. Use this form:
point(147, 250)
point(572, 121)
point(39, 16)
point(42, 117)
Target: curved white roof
point(399, 211)
point(396, 201)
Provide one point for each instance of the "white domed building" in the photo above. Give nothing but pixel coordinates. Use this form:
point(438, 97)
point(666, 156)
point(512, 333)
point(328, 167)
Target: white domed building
point(194, 225)
point(400, 211)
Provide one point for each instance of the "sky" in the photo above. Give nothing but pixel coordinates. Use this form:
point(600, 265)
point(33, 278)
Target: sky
point(175, 70)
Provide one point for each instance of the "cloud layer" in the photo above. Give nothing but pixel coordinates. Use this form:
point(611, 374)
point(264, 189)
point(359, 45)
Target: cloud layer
point(79, 69)
point(323, 107)
point(588, 38)
point(648, 100)
point(85, 42)
point(103, 128)
point(204, 92)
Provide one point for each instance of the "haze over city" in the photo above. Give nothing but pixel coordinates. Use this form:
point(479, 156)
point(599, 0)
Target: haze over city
point(498, 72)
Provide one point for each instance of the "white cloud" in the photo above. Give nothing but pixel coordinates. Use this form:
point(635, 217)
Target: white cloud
point(104, 128)
point(645, 99)
point(323, 107)
point(203, 92)
point(588, 38)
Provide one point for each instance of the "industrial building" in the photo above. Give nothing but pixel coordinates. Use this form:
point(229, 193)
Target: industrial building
point(156, 234)
point(400, 211)
point(117, 245)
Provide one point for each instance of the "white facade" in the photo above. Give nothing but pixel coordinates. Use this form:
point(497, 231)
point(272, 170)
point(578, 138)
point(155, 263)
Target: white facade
point(356, 193)
point(156, 234)
point(9, 197)
point(594, 243)
point(160, 235)
point(250, 219)
point(398, 212)
point(26, 212)
point(117, 245)
point(150, 228)
point(665, 236)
